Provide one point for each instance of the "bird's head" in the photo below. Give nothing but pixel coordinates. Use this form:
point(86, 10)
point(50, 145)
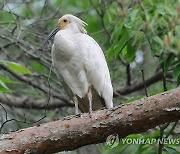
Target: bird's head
point(68, 21)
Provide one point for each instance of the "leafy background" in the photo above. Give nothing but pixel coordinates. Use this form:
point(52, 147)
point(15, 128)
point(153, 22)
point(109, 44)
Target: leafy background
point(134, 35)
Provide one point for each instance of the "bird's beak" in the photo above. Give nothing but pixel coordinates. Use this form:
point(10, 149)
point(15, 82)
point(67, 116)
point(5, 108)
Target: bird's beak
point(53, 32)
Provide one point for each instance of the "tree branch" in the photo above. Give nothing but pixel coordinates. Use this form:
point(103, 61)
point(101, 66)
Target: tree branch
point(29, 81)
point(27, 102)
point(74, 132)
point(140, 85)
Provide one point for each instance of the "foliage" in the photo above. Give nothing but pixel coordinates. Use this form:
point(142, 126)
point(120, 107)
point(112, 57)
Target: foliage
point(15, 67)
point(150, 22)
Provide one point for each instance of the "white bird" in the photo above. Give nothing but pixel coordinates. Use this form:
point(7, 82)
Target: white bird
point(80, 63)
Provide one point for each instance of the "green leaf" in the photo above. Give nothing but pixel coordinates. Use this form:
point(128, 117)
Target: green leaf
point(176, 72)
point(123, 39)
point(144, 149)
point(6, 80)
point(37, 66)
point(119, 43)
point(170, 150)
point(130, 52)
point(17, 67)
point(134, 136)
point(6, 16)
point(133, 14)
point(161, 9)
point(168, 62)
point(3, 87)
point(157, 45)
point(124, 51)
point(111, 50)
point(158, 40)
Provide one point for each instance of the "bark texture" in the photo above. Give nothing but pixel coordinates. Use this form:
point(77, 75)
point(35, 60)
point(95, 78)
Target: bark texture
point(73, 132)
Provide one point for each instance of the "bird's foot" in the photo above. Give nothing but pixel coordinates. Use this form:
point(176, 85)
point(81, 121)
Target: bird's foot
point(78, 114)
point(90, 112)
point(68, 117)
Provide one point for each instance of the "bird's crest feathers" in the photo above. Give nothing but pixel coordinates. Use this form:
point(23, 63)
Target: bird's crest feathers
point(80, 23)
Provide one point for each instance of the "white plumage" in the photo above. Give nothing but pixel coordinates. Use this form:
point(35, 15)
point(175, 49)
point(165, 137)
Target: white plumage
point(80, 63)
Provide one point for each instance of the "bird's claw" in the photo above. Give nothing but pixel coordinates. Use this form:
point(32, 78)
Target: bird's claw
point(68, 117)
point(90, 112)
point(78, 115)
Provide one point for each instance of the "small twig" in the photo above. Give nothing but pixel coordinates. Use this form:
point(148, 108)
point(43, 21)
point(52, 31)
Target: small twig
point(122, 60)
point(25, 120)
point(95, 8)
point(104, 27)
point(138, 85)
point(44, 7)
point(128, 75)
point(32, 83)
point(8, 120)
point(49, 96)
point(49, 91)
point(145, 88)
point(164, 78)
point(172, 128)
point(161, 145)
point(150, 44)
point(171, 81)
point(6, 115)
point(101, 15)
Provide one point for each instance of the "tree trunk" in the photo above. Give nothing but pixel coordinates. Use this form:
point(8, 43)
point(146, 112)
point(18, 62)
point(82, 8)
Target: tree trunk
point(73, 132)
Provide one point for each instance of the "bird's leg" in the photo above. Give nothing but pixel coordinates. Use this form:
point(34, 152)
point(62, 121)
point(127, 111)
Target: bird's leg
point(75, 100)
point(89, 95)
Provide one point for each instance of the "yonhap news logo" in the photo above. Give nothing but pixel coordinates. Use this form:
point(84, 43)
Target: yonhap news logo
point(113, 140)
point(165, 141)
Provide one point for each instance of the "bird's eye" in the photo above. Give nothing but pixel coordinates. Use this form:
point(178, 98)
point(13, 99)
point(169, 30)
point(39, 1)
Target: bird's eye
point(65, 20)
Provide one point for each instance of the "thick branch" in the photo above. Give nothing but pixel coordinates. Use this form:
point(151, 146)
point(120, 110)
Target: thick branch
point(27, 102)
point(74, 132)
point(140, 85)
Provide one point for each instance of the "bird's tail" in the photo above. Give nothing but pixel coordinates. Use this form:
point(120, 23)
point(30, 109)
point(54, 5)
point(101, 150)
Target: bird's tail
point(97, 102)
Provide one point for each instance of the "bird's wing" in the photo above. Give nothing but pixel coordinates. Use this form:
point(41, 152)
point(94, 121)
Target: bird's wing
point(96, 68)
point(68, 66)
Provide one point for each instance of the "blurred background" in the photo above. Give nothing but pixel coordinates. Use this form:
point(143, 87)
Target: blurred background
point(140, 38)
